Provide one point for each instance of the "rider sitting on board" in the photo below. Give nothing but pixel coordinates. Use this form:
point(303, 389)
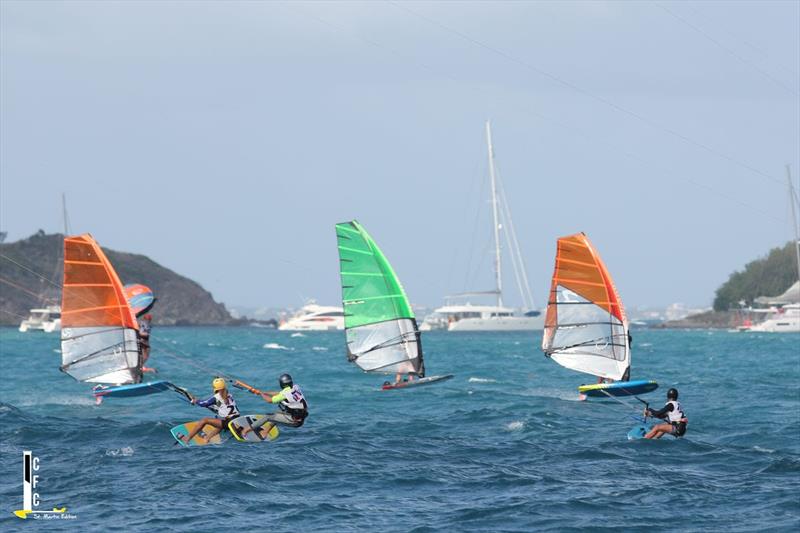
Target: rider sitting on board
point(225, 406)
point(673, 413)
point(293, 405)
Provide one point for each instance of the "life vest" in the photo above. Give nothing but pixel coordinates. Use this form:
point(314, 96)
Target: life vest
point(225, 409)
point(295, 402)
point(677, 414)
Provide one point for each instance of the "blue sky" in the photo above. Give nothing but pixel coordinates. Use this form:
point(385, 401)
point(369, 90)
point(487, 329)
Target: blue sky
point(226, 140)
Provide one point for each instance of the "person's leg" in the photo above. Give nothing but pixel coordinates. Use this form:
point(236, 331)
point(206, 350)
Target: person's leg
point(398, 377)
point(267, 420)
point(197, 429)
point(218, 426)
point(658, 430)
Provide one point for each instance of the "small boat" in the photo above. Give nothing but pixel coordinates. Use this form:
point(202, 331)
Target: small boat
point(47, 319)
point(313, 317)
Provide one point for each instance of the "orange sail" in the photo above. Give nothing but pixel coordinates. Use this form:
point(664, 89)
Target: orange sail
point(99, 330)
point(585, 327)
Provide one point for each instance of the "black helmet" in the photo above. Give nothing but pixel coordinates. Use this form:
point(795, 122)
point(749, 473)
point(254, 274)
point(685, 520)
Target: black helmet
point(672, 394)
point(285, 381)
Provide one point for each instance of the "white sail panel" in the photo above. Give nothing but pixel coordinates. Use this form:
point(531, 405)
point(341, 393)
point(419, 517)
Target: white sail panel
point(101, 354)
point(391, 346)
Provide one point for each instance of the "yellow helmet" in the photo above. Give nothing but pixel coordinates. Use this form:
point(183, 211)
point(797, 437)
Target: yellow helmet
point(218, 384)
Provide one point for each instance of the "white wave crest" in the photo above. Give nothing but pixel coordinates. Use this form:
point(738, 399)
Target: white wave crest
point(275, 346)
point(515, 425)
point(127, 451)
point(297, 335)
point(319, 349)
point(482, 380)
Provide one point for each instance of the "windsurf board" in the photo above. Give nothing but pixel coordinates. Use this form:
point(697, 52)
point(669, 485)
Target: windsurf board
point(414, 383)
point(618, 388)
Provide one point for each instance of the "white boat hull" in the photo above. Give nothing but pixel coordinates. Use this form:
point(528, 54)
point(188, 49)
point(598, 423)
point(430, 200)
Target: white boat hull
point(310, 327)
point(511, 323)
point(48, 326)
point(777, 326)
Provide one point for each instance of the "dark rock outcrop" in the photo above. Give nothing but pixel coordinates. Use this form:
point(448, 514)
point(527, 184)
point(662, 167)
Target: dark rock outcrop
point(181, 301)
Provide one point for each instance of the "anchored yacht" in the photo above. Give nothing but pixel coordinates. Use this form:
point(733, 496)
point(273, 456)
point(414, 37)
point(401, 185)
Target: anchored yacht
point(47, 319)
point(784, 319)
point(313, 317)
point(468, 317)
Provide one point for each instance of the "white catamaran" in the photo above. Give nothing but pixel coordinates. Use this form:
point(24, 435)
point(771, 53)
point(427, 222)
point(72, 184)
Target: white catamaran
point(465, 316)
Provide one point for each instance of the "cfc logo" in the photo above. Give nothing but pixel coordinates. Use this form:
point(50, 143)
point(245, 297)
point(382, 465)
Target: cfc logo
point(30, 494)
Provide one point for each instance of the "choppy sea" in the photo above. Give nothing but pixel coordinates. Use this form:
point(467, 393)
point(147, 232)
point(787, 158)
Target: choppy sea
point(504, 446)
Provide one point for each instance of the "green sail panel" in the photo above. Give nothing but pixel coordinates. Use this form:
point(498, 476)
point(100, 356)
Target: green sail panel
point(381, 330)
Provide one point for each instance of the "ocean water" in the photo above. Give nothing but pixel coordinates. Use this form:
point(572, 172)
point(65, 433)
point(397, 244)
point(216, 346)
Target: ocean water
point(504, 446)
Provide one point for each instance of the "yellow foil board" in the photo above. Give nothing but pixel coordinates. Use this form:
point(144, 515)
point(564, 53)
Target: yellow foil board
point(201, 438)
point(238, 424)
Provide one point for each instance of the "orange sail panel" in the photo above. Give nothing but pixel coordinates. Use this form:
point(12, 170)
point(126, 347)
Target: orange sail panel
point(99, 330)
point(585, 327)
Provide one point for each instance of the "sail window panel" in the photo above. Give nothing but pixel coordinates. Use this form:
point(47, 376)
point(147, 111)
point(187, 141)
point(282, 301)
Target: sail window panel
point(389, 347)
point(76, 249)
point(85, 274)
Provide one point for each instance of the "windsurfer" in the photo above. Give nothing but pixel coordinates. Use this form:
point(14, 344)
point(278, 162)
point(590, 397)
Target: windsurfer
point(144, 340)
point(673, 413)
point(403, 377)
point(225, 406)
point(293, 405)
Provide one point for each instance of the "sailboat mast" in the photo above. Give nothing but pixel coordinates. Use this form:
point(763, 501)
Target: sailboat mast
point(795, 227)
point(64, 212)
point(497, 271)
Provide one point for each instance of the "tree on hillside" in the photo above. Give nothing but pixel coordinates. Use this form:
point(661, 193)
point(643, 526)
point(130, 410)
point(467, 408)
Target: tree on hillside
point(767, 276)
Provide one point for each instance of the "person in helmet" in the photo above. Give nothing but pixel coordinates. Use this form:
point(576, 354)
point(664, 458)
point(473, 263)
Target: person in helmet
point(222, 403)
point(674, 415)
point(292, 404)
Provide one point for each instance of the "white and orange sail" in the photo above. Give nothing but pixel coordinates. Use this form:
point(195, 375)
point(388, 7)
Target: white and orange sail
point(99, 332)
point(585, 327)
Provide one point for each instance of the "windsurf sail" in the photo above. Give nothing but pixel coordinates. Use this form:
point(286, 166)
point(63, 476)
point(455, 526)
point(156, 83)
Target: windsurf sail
point(585, 326)
point(140, 298)
point(380, 328)
point(98, 328)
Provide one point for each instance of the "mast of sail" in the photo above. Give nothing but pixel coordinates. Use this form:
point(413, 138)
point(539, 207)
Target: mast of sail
point(795, 227)
point(99, 333)
point(380, 327)
point(497, 271)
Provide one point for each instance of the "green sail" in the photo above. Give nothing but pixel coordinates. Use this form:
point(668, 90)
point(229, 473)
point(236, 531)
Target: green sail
point(381, 330)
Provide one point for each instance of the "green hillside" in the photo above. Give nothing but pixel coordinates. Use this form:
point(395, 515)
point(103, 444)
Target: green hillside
point(768, 276)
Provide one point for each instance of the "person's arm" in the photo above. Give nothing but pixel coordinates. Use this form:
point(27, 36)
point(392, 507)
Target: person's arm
point(205, 403)
point(278, 398)
point(661, 413)
point(269, 396)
